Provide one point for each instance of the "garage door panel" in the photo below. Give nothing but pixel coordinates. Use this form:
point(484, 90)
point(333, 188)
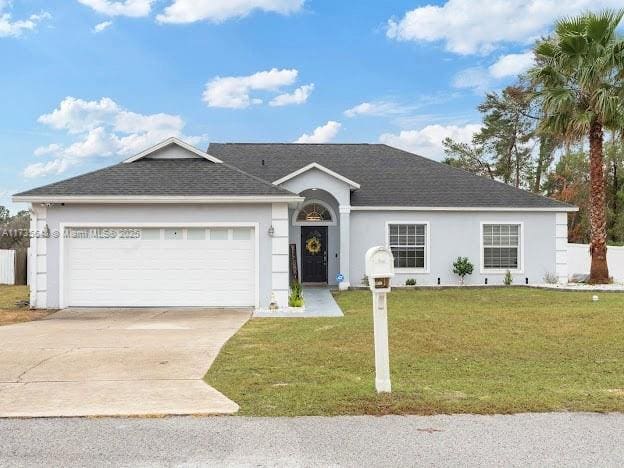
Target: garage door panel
point(162, 272)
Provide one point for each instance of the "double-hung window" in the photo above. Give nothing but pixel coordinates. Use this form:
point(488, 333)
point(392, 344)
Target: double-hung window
point(501, 246)
point(408, 243)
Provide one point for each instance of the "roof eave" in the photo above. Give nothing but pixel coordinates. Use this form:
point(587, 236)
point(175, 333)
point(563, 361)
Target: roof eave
point(157, 199)
point(557, 209)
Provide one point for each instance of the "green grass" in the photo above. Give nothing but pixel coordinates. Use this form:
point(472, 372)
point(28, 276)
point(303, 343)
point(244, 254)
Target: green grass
point(10, 313)
point(9, 295)
point(501, 350)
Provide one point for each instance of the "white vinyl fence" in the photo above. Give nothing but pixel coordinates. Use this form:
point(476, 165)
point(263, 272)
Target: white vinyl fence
point(579, 261)
point(7, 266)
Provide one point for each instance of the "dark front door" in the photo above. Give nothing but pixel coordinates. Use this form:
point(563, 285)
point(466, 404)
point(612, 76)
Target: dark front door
point(314, 254)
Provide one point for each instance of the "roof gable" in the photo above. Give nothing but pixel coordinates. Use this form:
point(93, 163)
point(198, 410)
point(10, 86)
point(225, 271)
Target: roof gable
point(159, 151)
point(353, 185)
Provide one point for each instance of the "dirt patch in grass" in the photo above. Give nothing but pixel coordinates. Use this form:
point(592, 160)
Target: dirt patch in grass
point(13, 312)
point(503, 350)
point(9, 316)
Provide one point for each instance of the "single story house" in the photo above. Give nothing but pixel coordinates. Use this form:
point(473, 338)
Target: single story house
point(176, 226)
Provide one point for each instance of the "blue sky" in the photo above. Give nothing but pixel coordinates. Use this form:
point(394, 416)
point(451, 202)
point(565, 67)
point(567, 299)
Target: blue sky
point(407, 73)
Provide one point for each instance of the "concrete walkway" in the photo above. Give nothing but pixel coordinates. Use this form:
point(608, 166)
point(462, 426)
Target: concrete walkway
point(115, 362)
point(555, 439)
point(318, 302)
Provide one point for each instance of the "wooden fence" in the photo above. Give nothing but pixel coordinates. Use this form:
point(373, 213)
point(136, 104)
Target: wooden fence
point(13, 266)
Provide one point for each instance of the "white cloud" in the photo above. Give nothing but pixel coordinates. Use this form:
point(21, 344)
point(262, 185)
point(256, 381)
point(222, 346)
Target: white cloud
point(476, 78)
point(481, 79)
point(53, 148)
point(427, 141)
point(15, 28)
point(132, 8)
point(56, 166)
point(217, 11)
point(100, 27)
point(77, 115)
point(323, 134)
point(375, 108)
point(101, 128)
point(298, 96)
point(512, 65)
point(469, 27)
point(233, 92)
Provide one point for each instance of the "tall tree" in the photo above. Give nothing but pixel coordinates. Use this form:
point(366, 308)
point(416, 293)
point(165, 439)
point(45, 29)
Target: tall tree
point(468, 156)
point(4, 214)
point(502, 148)
point(569, 183)
point(506, 133)
point(14, 229)
point(614, 156)
point(545, 157)
point(578, 73)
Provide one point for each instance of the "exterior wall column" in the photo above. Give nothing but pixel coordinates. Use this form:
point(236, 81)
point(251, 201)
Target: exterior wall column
point(279, 254)
point(345, 244)
point(561, 247)
point(38, 260)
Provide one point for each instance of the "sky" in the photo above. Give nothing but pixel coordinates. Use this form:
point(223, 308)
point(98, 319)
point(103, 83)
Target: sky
point(87, 83)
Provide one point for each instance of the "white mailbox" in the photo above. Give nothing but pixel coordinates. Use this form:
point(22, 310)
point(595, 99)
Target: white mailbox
point(379, 268)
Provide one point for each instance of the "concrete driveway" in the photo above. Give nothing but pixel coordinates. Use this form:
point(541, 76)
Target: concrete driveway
point(115, 362)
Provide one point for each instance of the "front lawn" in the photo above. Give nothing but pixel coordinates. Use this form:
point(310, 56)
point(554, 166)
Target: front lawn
point(12, 313)
point(501, 350)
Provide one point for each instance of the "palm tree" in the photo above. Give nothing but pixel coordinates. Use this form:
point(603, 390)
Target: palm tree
point(578, 73)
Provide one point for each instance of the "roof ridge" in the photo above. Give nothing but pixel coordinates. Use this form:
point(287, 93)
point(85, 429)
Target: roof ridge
point(291, 143)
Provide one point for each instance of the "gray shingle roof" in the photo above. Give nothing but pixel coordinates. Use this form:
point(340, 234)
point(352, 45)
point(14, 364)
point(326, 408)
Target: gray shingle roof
point(162, 177)
point(387, 176)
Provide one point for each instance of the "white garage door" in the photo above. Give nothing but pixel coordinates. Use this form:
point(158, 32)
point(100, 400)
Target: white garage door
point(185, 266)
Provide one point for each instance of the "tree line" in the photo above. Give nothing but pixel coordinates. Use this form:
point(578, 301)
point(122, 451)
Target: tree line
point(13, 229)
point(559, 130)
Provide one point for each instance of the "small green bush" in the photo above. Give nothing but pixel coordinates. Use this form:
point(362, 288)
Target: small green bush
point(295, 299)
point(410, 282)
point(508, 279)
point(462, 267)
point(550, 278)
point(295, 302)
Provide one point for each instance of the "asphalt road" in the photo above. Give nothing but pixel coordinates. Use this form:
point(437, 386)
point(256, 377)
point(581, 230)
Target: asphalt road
point(576, 439)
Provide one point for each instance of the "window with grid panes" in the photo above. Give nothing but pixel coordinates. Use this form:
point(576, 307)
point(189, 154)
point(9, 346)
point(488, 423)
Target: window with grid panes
point(501, 246)
point(407, 242)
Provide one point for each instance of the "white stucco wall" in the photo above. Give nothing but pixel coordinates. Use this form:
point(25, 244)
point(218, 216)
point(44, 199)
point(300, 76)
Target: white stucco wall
point(172, 152)
point(451, 234)
point(454, 234)
point(320, 180)
point(257, 213)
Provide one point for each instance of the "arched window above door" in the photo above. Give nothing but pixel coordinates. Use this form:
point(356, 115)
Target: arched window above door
point(315, 212)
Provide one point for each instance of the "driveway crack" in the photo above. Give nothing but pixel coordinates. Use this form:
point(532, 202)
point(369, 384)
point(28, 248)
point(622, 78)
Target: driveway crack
point(19, 377)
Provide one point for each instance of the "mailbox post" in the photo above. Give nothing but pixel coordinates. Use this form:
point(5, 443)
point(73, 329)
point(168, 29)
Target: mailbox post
point(379, 270)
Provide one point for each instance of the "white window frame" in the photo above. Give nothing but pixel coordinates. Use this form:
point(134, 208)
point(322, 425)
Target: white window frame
point(311, 201)
point(502, 271)
point(427, 246)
